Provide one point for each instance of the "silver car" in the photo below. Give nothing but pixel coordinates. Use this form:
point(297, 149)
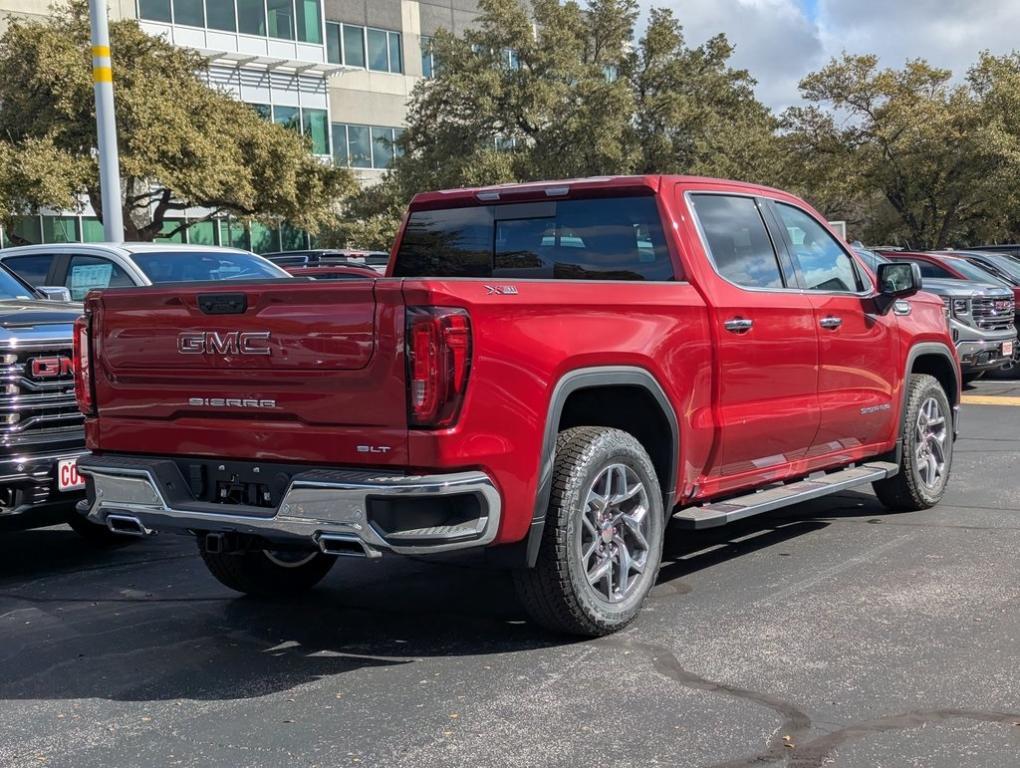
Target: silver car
point(980, 317)
point(80, 267)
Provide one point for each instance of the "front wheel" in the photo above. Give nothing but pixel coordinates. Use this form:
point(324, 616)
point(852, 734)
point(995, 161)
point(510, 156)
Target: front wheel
point(927, 449)
point(268, 573)
point(602, 541)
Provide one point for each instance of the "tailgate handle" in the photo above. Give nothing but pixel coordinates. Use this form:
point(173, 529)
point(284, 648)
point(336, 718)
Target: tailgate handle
point(223, 303)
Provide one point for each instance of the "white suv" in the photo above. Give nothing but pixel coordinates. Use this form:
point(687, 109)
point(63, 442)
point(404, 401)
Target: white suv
point(80, 267)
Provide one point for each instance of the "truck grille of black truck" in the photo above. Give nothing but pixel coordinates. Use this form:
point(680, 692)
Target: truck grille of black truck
point(992, 314)
point(36, 393)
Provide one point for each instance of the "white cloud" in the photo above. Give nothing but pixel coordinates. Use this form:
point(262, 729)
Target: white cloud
point(779, 43)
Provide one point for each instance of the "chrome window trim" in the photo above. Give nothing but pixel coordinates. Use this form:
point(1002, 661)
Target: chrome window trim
point(687, 194)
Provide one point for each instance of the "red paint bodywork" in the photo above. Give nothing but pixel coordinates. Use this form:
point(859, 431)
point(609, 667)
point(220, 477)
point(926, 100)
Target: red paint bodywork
point(779, 402)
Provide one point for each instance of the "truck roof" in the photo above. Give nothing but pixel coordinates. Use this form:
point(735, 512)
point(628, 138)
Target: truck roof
point(567, 188)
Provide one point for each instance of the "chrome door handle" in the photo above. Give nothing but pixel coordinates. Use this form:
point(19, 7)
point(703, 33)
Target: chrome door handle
point(738, 325)
point(831, 322)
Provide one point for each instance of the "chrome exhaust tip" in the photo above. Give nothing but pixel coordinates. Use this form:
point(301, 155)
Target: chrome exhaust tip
point(127, 525)
point(346, 545)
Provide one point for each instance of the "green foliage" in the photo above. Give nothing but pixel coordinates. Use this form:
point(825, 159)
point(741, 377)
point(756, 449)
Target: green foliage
point(905, 155)
point(182, 144)
point(563, 91)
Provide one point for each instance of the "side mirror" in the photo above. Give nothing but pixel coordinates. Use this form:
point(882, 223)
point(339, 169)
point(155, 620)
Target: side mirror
point(896, 280)
point(54, 292)
point(899, 279)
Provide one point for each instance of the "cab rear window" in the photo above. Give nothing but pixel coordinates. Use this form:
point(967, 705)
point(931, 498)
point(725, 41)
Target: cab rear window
point(614, 238)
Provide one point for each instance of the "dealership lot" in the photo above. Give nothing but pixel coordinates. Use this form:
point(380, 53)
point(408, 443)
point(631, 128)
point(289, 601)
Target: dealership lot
point(833, 633)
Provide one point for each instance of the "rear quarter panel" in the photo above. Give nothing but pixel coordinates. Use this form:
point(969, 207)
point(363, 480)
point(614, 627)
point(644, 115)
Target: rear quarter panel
point(524, 343)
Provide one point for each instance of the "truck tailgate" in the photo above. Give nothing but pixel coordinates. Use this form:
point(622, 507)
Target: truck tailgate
point(313, 371)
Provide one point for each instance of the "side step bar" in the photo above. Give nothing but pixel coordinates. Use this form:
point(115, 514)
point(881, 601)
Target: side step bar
point(722, 512)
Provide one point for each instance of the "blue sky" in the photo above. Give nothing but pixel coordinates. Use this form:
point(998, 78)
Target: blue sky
point(780, 41)
point(810, 8)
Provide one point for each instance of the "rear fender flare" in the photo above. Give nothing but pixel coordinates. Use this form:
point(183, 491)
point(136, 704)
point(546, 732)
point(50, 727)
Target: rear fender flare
point(587, 378)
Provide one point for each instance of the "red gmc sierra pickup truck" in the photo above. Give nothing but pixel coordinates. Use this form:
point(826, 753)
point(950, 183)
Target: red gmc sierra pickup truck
point(547, 371)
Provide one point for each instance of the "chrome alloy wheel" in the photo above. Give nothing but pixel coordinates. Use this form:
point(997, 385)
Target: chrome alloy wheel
point(612, 541)
point(930, 446)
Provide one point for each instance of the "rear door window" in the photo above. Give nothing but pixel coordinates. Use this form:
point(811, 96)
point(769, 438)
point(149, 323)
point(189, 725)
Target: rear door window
point(618, 238)
point(87, 272)
point(931, 270)
point(32, 269)
point(738, 242)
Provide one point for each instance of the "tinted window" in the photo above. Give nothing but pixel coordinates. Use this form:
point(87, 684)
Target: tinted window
point(593, 239)
point(737, 240)
point(11, 287)
point(824, 264)
point(88, 272)
point(189, 12)
point(931, 270)
point(1001, 263)
point(220, 15)
point(190, 266)
point(354, 46)
point(378, 56)
point(31, 269)
point(976, 273)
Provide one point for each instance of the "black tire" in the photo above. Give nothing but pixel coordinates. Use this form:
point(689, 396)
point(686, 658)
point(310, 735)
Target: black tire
point(556, 593)
point(908, 490)
point(267, 574)
point(970, 378)
point(98, 535)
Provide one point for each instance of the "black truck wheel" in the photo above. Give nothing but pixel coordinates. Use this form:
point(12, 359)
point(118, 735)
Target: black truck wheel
point(602, 541)
point(927, 449)
point(265, 573)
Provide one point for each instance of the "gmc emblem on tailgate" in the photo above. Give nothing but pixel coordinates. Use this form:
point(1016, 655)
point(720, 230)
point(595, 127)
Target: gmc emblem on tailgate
point(50, 367)
point(229, 343)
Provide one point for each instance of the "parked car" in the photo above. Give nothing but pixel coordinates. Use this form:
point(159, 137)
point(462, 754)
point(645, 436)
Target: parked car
point(377, 260)
point(41, 434)
point(336, 272)
point(1004, 267)
point(951, 265)
point(1011, 249)
point(612, 352)
point(80, 267)
point(981, 316)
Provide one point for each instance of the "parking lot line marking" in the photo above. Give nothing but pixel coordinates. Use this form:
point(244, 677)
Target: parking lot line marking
point(989, 400)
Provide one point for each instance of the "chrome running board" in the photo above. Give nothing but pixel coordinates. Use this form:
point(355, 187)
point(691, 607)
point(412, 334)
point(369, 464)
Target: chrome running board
point(719, 513)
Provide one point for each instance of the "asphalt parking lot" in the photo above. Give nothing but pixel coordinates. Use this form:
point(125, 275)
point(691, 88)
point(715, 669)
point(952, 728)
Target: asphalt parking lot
point(830, 634)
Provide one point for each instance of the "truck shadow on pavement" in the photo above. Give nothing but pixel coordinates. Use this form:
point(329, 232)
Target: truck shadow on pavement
point(148, 623)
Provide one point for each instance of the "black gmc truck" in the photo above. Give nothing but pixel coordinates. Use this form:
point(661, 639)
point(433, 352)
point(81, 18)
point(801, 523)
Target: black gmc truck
point(41, 432)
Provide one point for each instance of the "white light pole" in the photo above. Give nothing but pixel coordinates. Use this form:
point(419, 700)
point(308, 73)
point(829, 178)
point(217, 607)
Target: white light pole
point(106, 125)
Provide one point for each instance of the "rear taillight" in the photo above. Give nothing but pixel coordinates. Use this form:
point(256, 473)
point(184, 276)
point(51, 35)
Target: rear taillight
point(83, 365)
point(438, 363)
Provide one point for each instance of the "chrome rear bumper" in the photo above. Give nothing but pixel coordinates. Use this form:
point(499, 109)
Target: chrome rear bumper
point(318, 507)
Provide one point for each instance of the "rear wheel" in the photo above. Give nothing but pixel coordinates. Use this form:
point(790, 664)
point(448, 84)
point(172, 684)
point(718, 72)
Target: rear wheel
point(927, 449)
point(268, 572)
point(602, 541)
